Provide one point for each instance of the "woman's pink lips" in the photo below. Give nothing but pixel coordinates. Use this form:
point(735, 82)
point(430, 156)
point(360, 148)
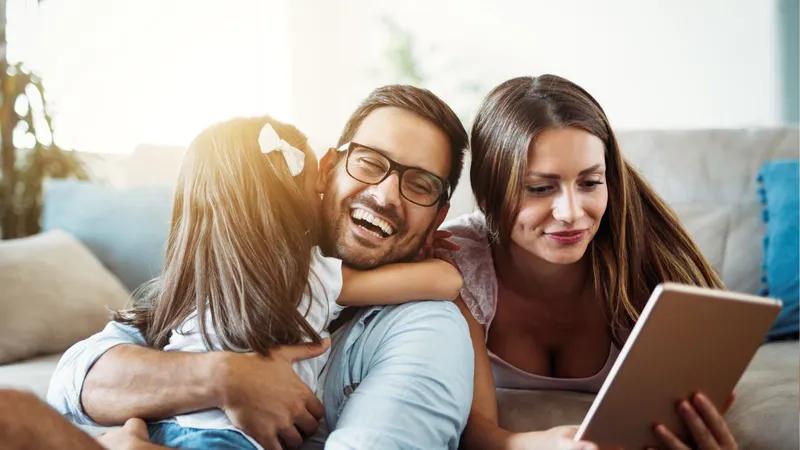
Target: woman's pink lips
point(567, 237)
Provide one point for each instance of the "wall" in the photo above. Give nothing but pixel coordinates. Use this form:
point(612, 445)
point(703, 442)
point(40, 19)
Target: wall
point(789, 32)
point(655, 64)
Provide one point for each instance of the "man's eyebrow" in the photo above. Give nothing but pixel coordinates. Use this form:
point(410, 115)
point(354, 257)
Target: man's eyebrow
point(390, 156)
point(555, 176)
point(376, 149)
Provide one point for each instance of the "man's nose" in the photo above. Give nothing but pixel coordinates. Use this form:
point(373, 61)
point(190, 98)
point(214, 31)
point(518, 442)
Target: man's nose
point(567, 207)
point(387, 192)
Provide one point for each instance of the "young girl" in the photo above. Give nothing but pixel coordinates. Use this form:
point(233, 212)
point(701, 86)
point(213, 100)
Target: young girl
point(243, 271)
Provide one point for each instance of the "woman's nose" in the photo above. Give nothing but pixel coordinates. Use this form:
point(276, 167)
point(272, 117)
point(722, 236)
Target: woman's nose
point(567, 207)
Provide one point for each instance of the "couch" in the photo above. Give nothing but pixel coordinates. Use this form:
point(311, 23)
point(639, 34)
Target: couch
point(707, 176)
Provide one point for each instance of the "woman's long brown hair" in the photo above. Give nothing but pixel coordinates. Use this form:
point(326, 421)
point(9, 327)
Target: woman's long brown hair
point(239, 245)
point(640, 242)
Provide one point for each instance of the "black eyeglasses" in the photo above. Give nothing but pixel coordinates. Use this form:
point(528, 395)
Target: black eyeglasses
point(417, 185)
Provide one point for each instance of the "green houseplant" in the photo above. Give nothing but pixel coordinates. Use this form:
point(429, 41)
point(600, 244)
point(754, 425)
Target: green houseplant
point(28, 154)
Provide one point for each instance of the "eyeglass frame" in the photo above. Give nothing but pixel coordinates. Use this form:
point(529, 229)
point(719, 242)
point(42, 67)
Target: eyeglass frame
point(395, 166)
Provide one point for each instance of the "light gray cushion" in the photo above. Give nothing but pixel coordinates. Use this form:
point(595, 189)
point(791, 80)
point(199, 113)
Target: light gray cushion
point(30, 375)
point(54, 293)
point(766, 413)
point(126, 229)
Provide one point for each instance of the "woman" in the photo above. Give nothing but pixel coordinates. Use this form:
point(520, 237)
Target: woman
point(569, 243)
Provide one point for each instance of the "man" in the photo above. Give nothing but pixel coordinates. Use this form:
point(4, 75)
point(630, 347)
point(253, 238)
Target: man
point(398, 377)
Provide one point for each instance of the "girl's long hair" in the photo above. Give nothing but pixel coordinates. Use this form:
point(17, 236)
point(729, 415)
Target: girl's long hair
point(640, 242)
point(239, 247)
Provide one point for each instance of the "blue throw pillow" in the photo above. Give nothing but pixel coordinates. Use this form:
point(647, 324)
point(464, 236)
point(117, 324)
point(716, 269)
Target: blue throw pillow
point(126, 229)
point(779, 193)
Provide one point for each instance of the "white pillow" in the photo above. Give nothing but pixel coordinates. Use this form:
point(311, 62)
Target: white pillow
point(53, 293)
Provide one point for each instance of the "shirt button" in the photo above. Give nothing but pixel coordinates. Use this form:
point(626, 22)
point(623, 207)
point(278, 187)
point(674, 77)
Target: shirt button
point(349, 389)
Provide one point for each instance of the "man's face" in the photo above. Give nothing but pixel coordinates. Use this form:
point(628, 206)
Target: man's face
point(350, 208)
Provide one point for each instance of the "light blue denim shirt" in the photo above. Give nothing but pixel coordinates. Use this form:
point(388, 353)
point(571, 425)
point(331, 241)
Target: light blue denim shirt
point(399, 377)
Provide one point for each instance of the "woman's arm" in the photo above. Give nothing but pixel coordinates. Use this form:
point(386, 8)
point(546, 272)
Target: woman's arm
point(482, 431)
point(431, 279)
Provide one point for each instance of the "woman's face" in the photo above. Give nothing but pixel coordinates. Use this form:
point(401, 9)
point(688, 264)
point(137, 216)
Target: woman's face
point(564, 196)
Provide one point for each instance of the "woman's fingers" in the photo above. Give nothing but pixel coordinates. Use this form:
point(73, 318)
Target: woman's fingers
point(714, 421)
point(729, 403)
point(697, 426)
point(705, 423)
point(670, 440)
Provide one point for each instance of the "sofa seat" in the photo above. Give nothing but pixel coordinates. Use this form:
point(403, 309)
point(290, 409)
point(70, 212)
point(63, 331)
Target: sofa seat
point(30, 375)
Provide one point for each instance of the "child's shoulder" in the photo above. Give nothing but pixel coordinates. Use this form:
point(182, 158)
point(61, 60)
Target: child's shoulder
point(471, 226)
point(469, 232)
point(474, 260)
point(326, 271)
point(319, 259)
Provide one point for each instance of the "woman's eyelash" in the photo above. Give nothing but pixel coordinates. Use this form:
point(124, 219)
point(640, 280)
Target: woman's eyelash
point(538, 189)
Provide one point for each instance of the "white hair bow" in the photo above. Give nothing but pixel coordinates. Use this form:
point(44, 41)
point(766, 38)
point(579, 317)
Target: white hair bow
point(269, 141)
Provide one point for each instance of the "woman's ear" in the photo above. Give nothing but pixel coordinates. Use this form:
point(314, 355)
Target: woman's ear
point(327, 166)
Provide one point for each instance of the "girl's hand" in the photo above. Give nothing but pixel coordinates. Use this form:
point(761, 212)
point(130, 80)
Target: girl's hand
point(706, 424)
point(439, 240)
point(131, 436)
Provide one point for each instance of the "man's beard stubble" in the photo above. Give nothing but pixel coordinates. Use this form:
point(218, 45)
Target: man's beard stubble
point(335, 216)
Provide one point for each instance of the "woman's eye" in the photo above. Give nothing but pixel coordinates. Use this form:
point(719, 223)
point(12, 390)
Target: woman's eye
point(538, 189)
point(591, 184)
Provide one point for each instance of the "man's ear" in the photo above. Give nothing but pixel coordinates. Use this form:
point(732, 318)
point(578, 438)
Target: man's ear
point(437, 222)
point(442, 214)
point(327, 165)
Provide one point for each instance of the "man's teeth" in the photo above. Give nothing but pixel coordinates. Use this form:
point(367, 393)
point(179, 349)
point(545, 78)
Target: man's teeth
point(366, 216)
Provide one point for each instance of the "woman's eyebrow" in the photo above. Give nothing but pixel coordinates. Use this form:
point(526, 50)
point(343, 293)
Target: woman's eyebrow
point(555, 176)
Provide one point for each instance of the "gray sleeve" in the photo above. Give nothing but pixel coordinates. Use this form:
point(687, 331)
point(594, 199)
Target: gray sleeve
point(64, 392)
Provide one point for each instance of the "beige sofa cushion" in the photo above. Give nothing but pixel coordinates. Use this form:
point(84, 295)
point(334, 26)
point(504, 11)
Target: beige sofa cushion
point(54, 293)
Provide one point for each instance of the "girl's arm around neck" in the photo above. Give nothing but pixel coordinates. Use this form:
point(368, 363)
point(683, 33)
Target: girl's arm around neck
point(432, 279)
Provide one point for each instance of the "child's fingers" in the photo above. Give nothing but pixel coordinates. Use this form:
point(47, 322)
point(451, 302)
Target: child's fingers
point(445, 244)
point(442, 234)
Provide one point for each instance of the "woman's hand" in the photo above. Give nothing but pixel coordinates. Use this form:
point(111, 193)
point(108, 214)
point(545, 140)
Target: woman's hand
point(558, 438)
point(706, 424)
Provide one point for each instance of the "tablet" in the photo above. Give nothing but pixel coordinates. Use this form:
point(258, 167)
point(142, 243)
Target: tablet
point(687, 339)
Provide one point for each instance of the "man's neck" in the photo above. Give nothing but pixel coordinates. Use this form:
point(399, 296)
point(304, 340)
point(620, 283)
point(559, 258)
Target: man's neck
point(534, 278)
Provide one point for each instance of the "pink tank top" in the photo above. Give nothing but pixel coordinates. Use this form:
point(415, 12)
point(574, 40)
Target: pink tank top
point(474, 259)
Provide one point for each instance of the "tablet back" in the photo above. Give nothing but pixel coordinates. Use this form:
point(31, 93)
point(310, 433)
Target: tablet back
point(687, 339)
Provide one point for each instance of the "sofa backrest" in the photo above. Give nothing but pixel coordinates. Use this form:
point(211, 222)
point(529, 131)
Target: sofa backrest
point(707, 176)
